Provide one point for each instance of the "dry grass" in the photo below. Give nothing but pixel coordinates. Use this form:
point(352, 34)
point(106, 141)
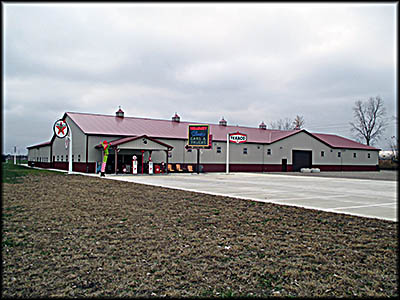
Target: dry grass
point(76, 236)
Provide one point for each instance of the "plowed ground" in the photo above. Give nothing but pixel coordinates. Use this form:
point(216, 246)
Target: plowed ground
point(77, 236)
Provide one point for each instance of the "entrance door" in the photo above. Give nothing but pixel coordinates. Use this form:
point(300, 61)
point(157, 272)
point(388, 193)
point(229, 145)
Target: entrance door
point(284, 165)
point(301, 159)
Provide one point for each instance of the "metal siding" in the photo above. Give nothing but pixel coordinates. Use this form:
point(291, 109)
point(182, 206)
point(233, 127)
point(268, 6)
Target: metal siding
point(139, 144)
point(94, 140)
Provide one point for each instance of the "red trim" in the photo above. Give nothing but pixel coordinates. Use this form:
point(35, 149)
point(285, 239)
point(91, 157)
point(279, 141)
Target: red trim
point(61, 165)
point(39, 164)
point(276, 167)
point(81, 167)
point(345, 168)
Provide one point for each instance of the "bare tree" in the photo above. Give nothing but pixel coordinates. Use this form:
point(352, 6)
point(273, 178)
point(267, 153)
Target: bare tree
point(282, 124)
point(298, 122)
point(394, 147)
point(369, 122)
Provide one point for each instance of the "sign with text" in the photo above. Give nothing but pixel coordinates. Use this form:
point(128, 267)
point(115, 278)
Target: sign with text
point(199, 135)
point(237, 138)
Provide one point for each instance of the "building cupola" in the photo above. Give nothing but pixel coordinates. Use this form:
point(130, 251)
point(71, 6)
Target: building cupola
point(222, 122)
point(119, 113)
point(176, 118)
point(262, 125)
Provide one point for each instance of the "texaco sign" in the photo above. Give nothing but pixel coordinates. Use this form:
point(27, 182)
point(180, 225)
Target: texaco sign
point(238, 138)
point(60, 129)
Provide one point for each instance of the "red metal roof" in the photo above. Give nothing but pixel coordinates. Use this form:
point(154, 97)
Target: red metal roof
point(131, 126)
point(341, 142)
point(40, 145)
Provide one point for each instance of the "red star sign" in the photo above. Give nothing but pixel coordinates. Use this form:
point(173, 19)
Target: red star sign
point(61, 127)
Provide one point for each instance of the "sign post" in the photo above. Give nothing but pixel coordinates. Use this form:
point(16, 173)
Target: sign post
point(61, 130)
point(199, 137)
point(70, 151)
point(236, 138)
point(227, 153)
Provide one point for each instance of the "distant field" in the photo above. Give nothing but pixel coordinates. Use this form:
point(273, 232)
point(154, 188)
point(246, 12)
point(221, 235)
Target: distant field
point(78, 236)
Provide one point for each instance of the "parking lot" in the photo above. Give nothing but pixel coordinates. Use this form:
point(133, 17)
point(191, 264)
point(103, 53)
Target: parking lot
point(374, 198)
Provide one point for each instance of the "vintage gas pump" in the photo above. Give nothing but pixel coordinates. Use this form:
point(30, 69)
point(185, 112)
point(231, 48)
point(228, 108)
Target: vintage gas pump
point(150, 166)
point(134, 164)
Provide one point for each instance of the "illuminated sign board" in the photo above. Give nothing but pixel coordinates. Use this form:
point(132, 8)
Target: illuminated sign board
point(199, 135)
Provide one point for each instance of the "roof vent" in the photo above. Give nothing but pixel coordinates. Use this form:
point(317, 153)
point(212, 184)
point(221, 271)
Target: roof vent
point(119, 113)
point(176, 118)
point(262, 125)
point(222, 122)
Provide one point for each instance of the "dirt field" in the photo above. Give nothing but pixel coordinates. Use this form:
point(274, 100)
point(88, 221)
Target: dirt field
point(77, 236)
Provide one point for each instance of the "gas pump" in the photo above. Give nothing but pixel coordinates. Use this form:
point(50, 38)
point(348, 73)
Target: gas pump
point(150, 166)
point(134, 164)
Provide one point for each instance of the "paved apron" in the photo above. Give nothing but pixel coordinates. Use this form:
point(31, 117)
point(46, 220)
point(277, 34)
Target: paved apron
point(360, 197)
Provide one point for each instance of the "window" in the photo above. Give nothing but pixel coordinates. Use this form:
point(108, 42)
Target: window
point(355, 155)
point(79, 157)
point(268, 151)
point(369, 155)
point(339, 154)
point(58, 158)
point(244, 150)
point(62, 157)
point(218, 149)
point(322, 153)
point(66, 157)
point(72, 157)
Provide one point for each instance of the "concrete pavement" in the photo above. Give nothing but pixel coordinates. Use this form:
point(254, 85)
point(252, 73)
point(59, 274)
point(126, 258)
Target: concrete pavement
point(361, 197)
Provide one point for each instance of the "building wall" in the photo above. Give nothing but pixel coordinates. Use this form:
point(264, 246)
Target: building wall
point(256, 158)
point(258, 153)
point(41, 154)
point(303, 141)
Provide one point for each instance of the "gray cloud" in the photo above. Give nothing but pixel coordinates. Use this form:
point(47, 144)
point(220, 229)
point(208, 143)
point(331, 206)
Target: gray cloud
point(246, 62)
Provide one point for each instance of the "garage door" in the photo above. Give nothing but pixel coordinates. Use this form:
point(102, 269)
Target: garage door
point(301, 159)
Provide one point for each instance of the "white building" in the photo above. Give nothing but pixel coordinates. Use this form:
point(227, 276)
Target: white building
point(165, 140)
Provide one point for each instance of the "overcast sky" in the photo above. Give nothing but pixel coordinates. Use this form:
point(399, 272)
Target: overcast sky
point(246, 62)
